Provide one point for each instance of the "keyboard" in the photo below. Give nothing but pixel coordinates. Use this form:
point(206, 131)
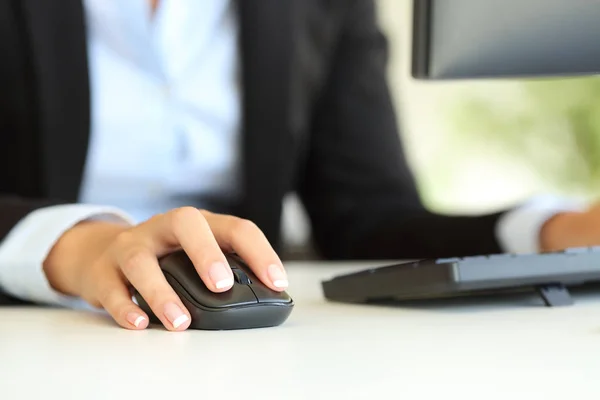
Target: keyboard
point(548, 273)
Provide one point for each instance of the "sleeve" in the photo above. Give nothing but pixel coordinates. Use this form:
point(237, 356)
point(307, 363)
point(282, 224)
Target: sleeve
point(356, 184)
point(25, 247)
point(518, 230)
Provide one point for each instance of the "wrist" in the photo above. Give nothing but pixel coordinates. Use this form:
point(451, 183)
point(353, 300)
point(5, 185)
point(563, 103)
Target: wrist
point(76, 250)
point(563, 231)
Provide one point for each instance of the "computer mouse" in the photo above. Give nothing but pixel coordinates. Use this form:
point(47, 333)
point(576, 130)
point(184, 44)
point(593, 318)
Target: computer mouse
point(248, 304)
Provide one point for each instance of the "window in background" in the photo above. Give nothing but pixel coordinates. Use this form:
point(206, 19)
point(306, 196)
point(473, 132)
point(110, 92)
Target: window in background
point(477, 146)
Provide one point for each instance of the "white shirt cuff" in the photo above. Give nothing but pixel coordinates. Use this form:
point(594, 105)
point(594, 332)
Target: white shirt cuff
point(23, 251)
point(518, 231)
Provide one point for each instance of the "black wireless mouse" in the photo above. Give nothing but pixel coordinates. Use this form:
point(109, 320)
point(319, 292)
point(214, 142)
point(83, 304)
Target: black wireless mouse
point(248, 304)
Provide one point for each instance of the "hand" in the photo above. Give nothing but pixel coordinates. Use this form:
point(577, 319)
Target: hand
point(100, 261)
point(571, 229)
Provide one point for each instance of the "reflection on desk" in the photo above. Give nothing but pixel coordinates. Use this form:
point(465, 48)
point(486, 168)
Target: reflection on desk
point(488, 348)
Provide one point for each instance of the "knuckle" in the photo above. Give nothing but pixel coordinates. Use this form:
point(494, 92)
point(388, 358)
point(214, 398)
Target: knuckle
point(123, 239)
point(183, 215)
point(108, 297)
point(149, 297)
point(156, 296)
point(154, 219)
point(243, 227)
point(134, 259)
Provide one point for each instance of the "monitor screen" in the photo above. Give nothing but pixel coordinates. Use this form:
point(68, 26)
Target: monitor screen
point(458, 39)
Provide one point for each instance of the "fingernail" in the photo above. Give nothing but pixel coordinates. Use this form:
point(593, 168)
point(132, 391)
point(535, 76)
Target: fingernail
point(278, 276)
point(135, 319)
point(175, 315)
point(220, 274)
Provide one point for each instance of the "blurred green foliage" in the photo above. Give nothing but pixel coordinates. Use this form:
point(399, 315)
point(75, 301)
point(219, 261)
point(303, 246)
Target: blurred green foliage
point(552, 126)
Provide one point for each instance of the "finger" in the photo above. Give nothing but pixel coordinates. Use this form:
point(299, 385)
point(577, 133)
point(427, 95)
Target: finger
point(113, 295)
point(188, 227)
point(140, 267)
point(249, 242)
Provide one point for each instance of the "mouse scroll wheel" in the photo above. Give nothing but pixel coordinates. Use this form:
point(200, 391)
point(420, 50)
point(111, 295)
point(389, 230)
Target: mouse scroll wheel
point(241, 277)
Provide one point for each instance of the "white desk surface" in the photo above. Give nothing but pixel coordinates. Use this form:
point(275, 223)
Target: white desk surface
point(505, 348)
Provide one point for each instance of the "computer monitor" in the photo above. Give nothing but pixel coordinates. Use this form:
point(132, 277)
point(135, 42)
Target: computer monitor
point(458, 39)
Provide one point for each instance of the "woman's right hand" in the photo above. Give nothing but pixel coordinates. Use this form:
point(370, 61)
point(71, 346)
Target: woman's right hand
point(100, 262)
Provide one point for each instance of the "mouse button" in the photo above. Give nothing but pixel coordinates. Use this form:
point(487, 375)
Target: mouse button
point(198, 293)
point(240, 276)
point(238, 295)
point(235, 261)
point(177, 263)
point(266, 295)
point(181, 268)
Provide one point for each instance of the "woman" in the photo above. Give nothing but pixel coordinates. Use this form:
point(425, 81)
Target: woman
point(213, 105)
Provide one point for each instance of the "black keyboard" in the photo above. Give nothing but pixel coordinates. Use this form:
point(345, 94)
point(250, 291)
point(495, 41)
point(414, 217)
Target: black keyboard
point(549, 273)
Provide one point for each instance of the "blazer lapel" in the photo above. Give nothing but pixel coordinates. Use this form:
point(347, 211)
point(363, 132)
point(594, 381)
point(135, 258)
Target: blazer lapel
point(57, 40)
point(266, 28)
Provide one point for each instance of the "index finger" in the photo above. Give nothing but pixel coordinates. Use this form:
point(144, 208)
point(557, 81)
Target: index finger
point(186, 227)
point(249, 242)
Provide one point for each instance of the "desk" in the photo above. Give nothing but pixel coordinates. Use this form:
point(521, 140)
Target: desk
point(511, 347)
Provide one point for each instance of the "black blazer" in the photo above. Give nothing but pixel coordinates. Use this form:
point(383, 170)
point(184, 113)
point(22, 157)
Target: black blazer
point(317, 119)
